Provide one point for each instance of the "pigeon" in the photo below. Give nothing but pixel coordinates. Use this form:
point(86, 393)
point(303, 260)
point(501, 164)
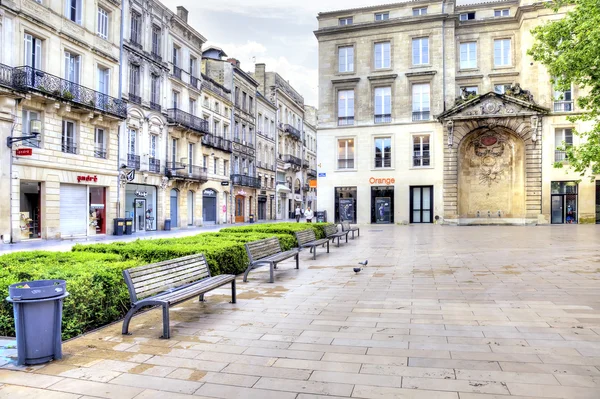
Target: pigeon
point(358, 269)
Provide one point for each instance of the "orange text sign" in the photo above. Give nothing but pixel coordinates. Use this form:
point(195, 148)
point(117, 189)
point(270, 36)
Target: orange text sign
point(387, 181)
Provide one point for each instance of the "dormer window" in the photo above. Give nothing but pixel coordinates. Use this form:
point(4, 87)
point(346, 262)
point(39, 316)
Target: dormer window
point(345, 21)
point(467, 16)
point(382, 16)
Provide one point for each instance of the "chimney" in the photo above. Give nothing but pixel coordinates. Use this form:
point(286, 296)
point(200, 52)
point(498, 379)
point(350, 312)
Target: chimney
point(259, 75)
point(182, 13)
point(234, 61)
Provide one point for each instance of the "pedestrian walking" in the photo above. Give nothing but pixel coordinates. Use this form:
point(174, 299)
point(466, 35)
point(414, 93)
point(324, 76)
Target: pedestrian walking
point(309, 215)
point(297, 213)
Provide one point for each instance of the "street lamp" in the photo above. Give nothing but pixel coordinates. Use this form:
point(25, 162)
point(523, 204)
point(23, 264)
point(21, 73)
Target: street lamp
point(35, 127)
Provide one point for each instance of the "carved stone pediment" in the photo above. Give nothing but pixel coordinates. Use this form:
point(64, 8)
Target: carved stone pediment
point(492, 105)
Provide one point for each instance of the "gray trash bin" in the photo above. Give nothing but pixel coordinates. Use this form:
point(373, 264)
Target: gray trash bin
point(37, 308)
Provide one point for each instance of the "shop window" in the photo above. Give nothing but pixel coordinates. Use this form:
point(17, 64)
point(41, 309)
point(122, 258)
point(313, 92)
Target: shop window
point(345, 204)
point(29, 207)
point(97, 210)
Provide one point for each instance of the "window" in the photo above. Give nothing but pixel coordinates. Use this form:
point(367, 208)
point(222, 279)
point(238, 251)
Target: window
point(382, 16)
point(173, 151)
point(72, 67)
point(502, 52)
point(102, 23)
point(69, 143)
point(383, 152)
point(205, 161)
point(175, 59)
point(153, 145)
point(563, 138)
point(134, 83)
point(563, 100)
point(420, 51)
point(501, 88)
point(27, 117)
point(502, 13)
point(175, 100)
point(216, 127)
point(156, 40)
point(382, 55)
point(469, 89)
point(132, 142)
point(33, 51)
point(193, 63)
point(345, 21)
point(250, 104)
point(136, 28)
point(73, 10)
point(192, 106)
point(346, 154)
point(419, 11)
point(345, 107)
point(467, 16)
point(226, 167)
point(215, 164)
point(99, 143)
point(468, 55)
point(383, 104)
point(244, 97)
point(190, 159)
point(420, 101)
point(155, 92)
point(421, 156)
point(103, 83)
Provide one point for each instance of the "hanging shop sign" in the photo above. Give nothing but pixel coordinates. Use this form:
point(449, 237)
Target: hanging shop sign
point(386, 181)
point(209, 193)
point(224, 183)
point(24, 152)
point(312, 183)
point(87, 178)
point(141, 194)
point(131, 175)
point(272, 196)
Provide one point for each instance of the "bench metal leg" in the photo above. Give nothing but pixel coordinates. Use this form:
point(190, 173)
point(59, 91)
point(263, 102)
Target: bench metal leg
point(166, 332)
point(346, 238)
point(298, 260)
point(202, 298)
point(246, 272)
point(233, 294)
point(327, 246)
point(128, 316)
point(338, 244)
point(314, 253)
point(271, 268)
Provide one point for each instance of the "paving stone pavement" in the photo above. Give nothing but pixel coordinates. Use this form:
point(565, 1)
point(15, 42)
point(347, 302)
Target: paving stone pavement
point(439, 312)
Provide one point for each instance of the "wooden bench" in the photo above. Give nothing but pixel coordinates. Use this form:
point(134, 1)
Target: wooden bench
point(331, 232)
point(171, 282)
point(307, 239)
point(268, 252)
point(347, 227)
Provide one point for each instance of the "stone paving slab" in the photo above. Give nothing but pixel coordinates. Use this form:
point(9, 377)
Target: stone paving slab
point(439, 312)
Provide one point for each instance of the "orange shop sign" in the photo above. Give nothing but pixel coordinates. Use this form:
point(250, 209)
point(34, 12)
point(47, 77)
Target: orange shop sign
point(386, 181)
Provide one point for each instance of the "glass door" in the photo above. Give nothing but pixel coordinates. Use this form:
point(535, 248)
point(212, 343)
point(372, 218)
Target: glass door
point(557, 209)
point(383, 206)
point(139, 209)
point(421, 200)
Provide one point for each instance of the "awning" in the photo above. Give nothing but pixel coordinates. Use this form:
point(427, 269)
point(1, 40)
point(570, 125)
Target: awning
point(283, 188)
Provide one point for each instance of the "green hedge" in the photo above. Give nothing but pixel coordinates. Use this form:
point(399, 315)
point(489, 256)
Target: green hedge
point(279, 228)
point(98, 295)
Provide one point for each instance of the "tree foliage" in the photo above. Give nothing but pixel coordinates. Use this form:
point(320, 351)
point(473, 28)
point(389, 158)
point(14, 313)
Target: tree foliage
point(570, 48)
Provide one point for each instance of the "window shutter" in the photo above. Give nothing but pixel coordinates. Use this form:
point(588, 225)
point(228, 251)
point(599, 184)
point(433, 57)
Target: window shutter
point(78, 11)
point(28, 50)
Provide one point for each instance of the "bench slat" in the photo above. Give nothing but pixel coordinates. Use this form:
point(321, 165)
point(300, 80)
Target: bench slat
point(194, 289)
point(189, 268)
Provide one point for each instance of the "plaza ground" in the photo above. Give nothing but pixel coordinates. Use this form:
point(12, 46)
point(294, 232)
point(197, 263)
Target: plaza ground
point(439, 312)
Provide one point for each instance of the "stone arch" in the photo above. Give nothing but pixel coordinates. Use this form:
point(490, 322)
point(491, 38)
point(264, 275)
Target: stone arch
point(491, 174)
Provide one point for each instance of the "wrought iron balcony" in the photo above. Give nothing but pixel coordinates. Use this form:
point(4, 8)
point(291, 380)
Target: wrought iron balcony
point(563, 106)
point(6, 75)
point(177, 72)
point(100, 152)
point(383, 118)
point(135, 42)
point(155, 106)
point(292, 159)
point(420, 116)
point(157, 57)
point(29, 79)
point(297, 134)
point(154, 165)
point(239, 147)
point(69, 148)
point(178, 170)
point(195, 82)
point(177, 116)
point(135, 98)
point(345, 120)
point(133, 161)
point(222, 143)
point(560, 156)
point(312, 172)
point(245, 181)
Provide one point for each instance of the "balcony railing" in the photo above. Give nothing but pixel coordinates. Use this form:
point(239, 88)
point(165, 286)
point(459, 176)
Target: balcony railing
point(420, 115)
point(133, 161)
point(154, 165)
point(563, 106)
point(155, 106)
point(183, 171)
point(245, 181)
point(293, 131)
point(345, 120)
point(135, 98)
point(135, 42)
point(292, 159)
point(312, 172)
point(195, 82)
point(177, 116)
point(100, 152)
point(421, 160)
point(27, 78)
point(177, 72)
point(157, 57)
point(69, 148)
point(560, 156)
point(6, 75)
point(383, 118)
point(346, 163)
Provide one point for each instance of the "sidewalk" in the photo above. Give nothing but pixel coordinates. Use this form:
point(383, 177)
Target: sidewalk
point(67, 244)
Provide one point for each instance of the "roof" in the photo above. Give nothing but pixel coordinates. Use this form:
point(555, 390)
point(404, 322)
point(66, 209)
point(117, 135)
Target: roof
point(215, 48)
point(374, 7)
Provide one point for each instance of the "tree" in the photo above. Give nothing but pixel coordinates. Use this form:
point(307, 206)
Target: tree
point(570, 49)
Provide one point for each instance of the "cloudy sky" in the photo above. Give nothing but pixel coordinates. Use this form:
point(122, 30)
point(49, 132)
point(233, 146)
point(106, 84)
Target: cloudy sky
point(278, 33)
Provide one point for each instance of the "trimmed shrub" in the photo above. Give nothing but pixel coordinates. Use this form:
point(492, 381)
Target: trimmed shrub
point(279, 228)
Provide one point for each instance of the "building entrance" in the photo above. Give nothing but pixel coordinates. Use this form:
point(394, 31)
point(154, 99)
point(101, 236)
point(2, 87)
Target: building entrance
point(345, 204)
point(563, 202)
point(382, 204)
point(30, 205)
point(421, 204)
point(239, 208)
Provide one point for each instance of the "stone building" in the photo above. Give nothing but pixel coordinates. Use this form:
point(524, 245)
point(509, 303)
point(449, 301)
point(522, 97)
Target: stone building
point(431, 111)
point(310, 150)
point(266, 116)
point(58, 108)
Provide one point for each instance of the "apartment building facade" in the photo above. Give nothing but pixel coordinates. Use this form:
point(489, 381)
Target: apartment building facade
point(434, 112)
point(266, 162)
point(60, 118)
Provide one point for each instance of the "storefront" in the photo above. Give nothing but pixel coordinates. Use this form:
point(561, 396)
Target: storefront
point(262, 207)
point(240, 205)
point(564, 202)
point(140, 205)
point(421, 204)
point(382, 204)
point(30, 219)
point(345, 204)
point(209, 206)
point(82, 210)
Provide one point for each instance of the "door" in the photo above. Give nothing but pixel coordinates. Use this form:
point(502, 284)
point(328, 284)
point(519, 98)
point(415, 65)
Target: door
point(73, 210)
point(239, 209)
point(262, 210)
point(209, 209)
point(557, 209)
point(174, 208)
point(139, 210)
point(421, 202)
point(383, 207)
